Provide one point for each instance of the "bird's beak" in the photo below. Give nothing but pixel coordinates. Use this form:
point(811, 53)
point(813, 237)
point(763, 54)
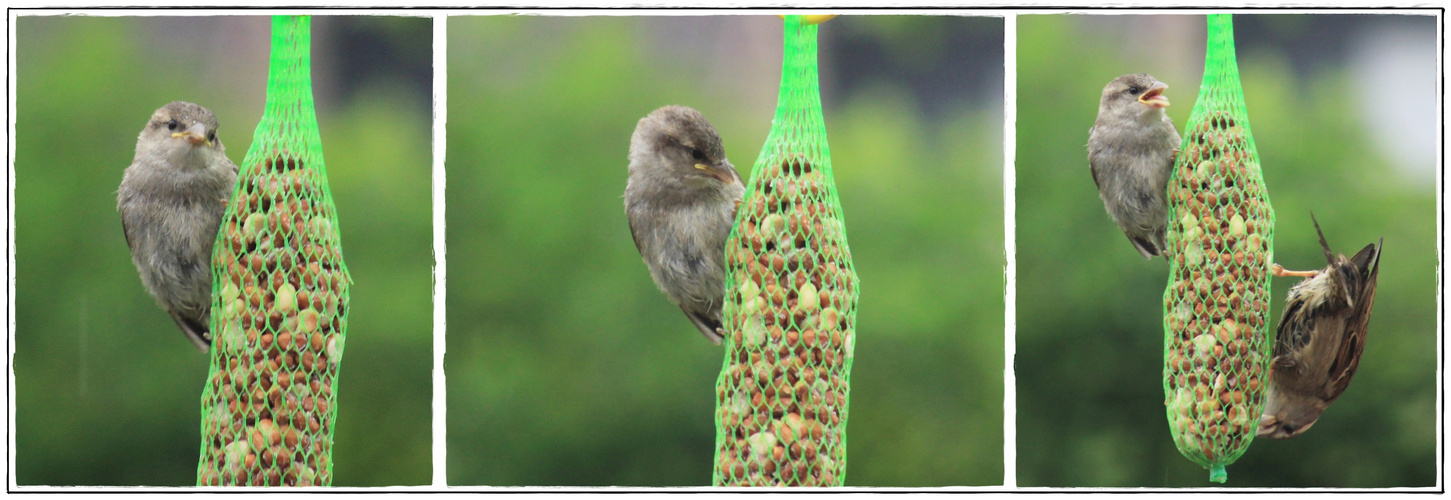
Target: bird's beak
point(1154, 97)
point(196, 135)
point(1268, 424)
point(722, 171)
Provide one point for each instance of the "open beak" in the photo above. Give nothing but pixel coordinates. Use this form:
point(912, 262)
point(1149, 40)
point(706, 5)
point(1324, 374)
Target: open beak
point(722, 171)
point(1268, 424)
point(1155, 96)
point(196, 135)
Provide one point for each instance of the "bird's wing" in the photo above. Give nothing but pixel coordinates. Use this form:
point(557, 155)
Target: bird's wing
point(231, 189)
point(126, 231)
point(120, 204)
point(1093, 169)
point(1352, 345)
point(1293, 332)
point(1174, 140)
point(1092, 163)
point(634, 233)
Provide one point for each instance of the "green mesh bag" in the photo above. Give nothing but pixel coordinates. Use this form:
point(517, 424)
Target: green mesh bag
point(280, 296)
point(1217, 304)
point(790, 307)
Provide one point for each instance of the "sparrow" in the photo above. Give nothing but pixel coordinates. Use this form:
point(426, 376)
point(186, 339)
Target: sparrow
point(171, 200)
point(681, 201)
point(1131, 151)
point(1320, 339)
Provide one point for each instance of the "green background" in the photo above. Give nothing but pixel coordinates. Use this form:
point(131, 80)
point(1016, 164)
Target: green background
point(107, 389)
point(1089, 308)
point(567, 367)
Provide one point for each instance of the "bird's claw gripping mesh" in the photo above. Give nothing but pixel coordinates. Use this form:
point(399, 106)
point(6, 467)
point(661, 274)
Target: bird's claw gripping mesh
point(280, 296)
point(790, 307)
point(1217, 304)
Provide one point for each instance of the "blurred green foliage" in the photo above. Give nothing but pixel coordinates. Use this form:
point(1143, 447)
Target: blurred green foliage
point(566, 366)
point(1089, 310)
point(107, 389)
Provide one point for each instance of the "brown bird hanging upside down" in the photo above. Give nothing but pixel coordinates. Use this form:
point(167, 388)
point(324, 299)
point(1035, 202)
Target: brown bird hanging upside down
point(1320, 339)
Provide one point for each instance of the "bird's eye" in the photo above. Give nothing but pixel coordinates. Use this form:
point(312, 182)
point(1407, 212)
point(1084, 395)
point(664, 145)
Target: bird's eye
point(1135, 90)
point(171, 124)
point(212, 137)
point(697, 154)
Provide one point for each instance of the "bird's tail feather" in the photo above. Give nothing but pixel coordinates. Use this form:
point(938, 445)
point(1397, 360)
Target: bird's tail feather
point(1329, 255)
point(1368, 258)
point(195, 331)
point(1145, 247)
point(708, 326)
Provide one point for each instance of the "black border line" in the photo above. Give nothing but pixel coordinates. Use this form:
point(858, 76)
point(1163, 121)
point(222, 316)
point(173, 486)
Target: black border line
point(447, 489)
point(1050, 9)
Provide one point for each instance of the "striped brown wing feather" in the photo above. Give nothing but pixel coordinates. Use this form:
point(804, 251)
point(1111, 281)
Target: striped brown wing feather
point(1293, 331)
point(1352, 345)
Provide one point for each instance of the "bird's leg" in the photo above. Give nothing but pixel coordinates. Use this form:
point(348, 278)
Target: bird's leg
point(1281, 272)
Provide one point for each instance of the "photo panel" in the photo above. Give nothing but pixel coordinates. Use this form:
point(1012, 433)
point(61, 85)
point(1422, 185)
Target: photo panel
point(568, 366)
point(109, 391)
point(1135, 372)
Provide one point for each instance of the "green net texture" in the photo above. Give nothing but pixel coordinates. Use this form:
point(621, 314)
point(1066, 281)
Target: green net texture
point(790, 308)
point(280, 296)
point(1217, 304)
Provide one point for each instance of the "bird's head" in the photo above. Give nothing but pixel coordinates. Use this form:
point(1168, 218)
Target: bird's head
point(677, 143)
point(1138, 94)
point(1288, 415)
point(183, 133)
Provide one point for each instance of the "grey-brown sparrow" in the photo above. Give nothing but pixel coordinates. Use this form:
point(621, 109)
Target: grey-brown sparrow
point(681, 201)
point(1130, 154)
point(171, 200)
